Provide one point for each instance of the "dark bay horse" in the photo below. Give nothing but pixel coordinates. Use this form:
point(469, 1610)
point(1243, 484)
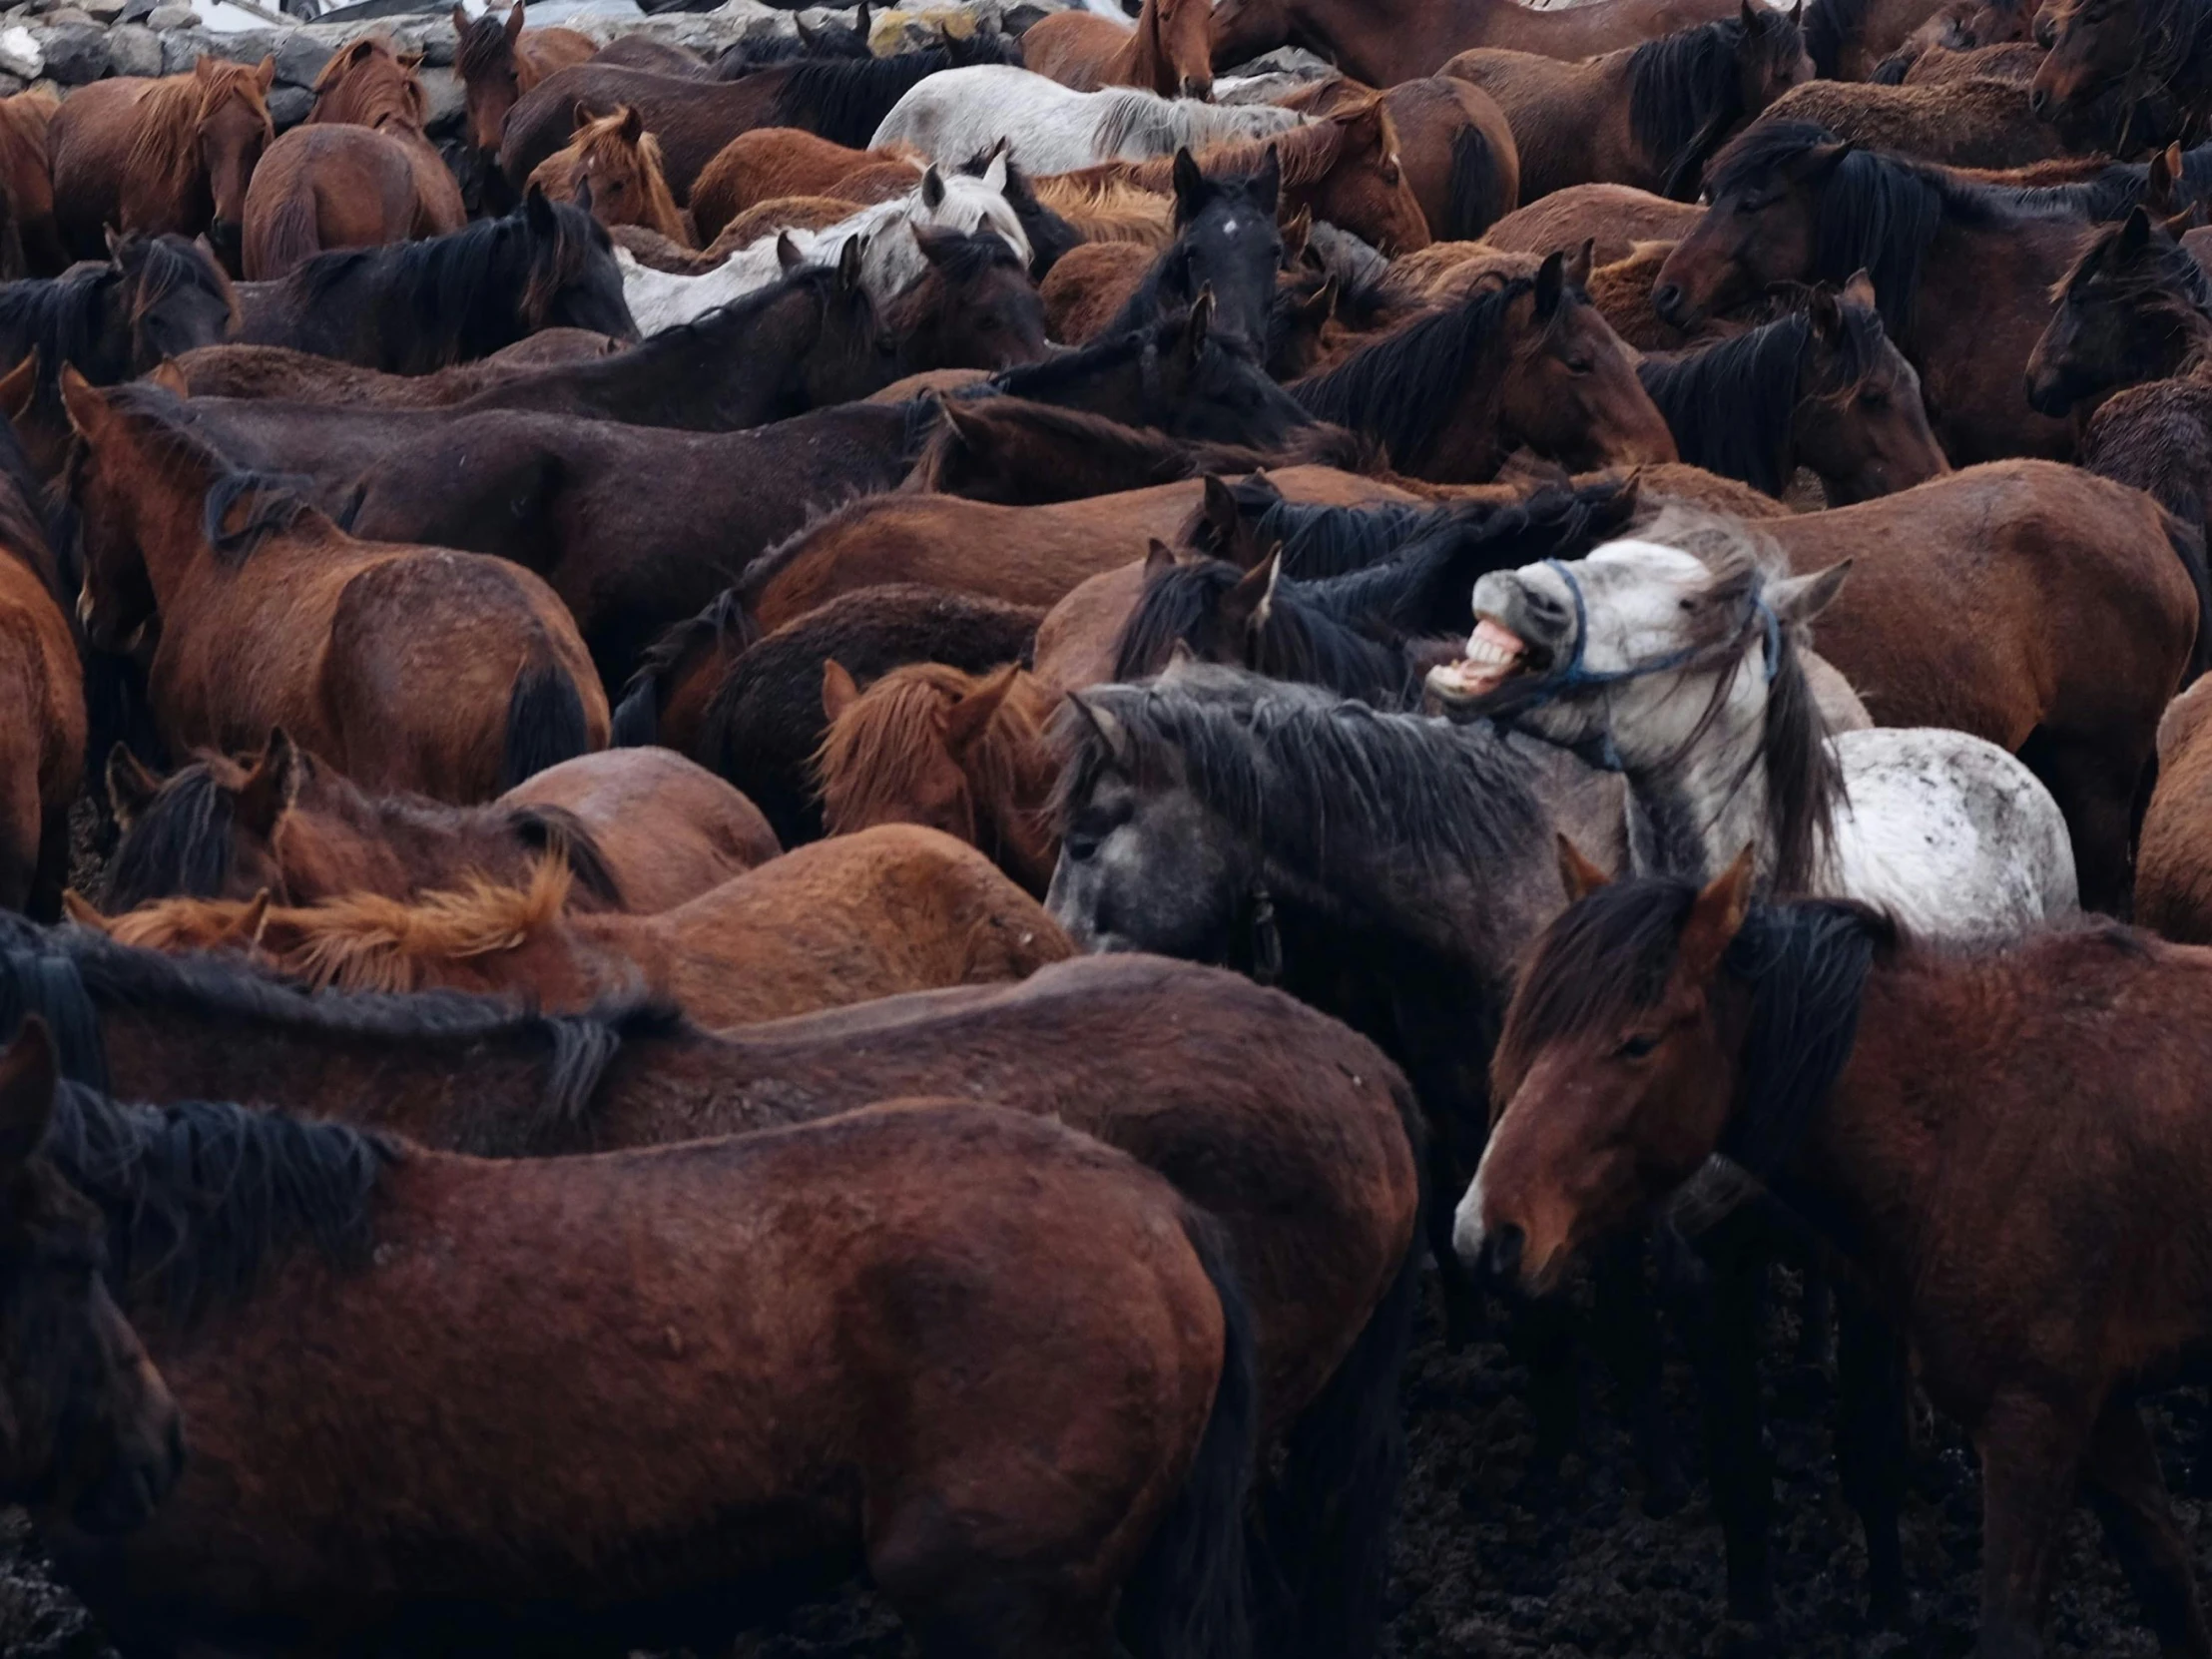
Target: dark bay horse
point(425, 305)
point(1073, 1261)
point(172, 155)
point(1964, 272)
point(2152, 58)
point(498, 61)
point(279, 371)
point(1650, 116)
point(1527, 362)
point(1854, 40)
point(411, 668)
point(96, 1442)
point(2000, 1140)
point(1168, 49)
point(1295, 1132)
point(639, 830)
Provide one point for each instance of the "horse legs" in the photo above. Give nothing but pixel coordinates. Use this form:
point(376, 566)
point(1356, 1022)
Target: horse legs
point(2093, 782)
point(2030, 1459)
point(1627, 1336)
point(1734, 1425)
point(1871, 1446)
point(2129, 1495)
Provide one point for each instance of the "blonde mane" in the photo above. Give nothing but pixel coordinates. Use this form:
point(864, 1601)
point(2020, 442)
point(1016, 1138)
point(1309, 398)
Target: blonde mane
point(604, 139)
point(165, 135)
point(873, 751)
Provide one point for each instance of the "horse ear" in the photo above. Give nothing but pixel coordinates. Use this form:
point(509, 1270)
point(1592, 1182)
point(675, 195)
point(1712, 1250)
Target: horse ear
point(1747, 17)
point(18, 386)
point(1859, 290)
point(1243, 608)
point(840, 691)
point(1576, 268)
point(848, 262)
point(2164, 180)
point(88, 411)
point(2134, 233)
point(271, 787)
point(112, 237)
point(1321, 304)
point(1550, 284)
point(1112, 736)
point(807, 37)
point(1797, 599)
point(251, 923)
point(862, 23)
point(1576, 874)
point(1159, 559)
point(131, 785)
point(77, 908)
point(28, 1077)
point(1826, 315)
point(264, 72)
point(580, 198)
point(1715, 920)
point(460, 21)
point(787, 256)
point(1189, 183)
point(1267, 184)
point(1219, 510)
point(166, 375)
point(537, 211)
point(632, 129)
point(409, 61)
point(995, 176)
point(512, 28)
point(933, 189)
point(966, 721)
point(581, 115)
point(1819, 162)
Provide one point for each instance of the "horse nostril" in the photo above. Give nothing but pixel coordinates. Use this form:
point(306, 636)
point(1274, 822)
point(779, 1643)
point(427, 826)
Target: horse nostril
point(2037, 100)
point(1501, 1253)
point(1666, 299)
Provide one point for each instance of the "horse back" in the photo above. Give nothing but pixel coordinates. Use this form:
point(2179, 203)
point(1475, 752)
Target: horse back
point(691, 119)
point(319, 187)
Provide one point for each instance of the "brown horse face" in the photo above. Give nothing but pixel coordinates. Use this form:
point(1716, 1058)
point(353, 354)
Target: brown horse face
point(91, 1432)
point(1861, 422)
point(1773, 59)
point(983, 309)
point(1572, 392)
point(1367, 192)
point(1749, 238)
point(232, 139)
point(1241, 29)
point(1609, 1101)
point(490, 95)
point(1187, 42)
point(2120, 320)
point(2093, 43)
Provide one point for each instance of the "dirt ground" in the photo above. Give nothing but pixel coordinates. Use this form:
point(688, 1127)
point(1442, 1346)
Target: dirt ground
point(1478, 1576)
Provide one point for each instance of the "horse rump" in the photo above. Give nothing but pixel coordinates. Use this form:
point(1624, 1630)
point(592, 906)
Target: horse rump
point(2187, 541)
point(1190, 1596)
point(545, 722)
point(287, 238)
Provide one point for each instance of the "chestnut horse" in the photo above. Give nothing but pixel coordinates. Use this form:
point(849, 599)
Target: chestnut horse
point(321, 188)
point(613, 164)
point(173, 155)
point(962, 753)
point(2173, 865)
point(294, 377)
point(96, 1442)
point(895, 908)
point(30, 241)
point(1081, 1394)
point(449, 674)
point(1851, 39)
point(1650, 116)
point(772, 162)
point(1964, 273)
point(639, 830)
point(1168, 51)
point(498, 61)
point(1453, 144)
point(2010, 1144)
point(1975, 122)
point(42, 742)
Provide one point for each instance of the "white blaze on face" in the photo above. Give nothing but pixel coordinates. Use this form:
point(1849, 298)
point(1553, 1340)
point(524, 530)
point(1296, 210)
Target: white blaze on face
point(1466, 1221)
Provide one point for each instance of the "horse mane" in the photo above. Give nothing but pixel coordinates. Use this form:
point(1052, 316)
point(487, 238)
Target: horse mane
point(64, 316)
point(69, 975)
point(180, 846)
point(845, 99)
point(203, 1200)
point(2174, 46)
point(870, 754)
point(1830, 26)
point(33, 525)
point(1131, 116)
point(1401, 390)
point(483, 44)
point(1731, 405)
point(1607, 959)
point(1036, 382)
point(271, 501)
point(1317, 540)
point(1303, 773)
point(1878, 211)
point(2165, 282)
point(1306, 154)
point(724, 619)
point(1685, 92)
point(165, 127)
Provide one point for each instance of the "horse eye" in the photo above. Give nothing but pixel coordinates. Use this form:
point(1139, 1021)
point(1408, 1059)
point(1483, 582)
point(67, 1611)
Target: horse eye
point(1750, 205)
point(1637, 1047)
point(1874, 398)
point(1577, 366)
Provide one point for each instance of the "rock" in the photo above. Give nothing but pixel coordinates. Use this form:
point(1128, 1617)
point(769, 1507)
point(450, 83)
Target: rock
point(20, 54)
point(133, 49)
point(102, 11)
point(288, 106)
point(300, 57)
point(134, 11)
point(446, 96)
point(437, 43)
point(171, 16)
point(246, 45)
point(63, 16)
point(76, 54)
point(10, 85)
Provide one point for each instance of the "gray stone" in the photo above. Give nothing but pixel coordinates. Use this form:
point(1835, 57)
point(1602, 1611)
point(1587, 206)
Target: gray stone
point(300, 57)
point(288, 106)
point(102, 11)
point(133, 49)
point(10, 85)
point(437, 43)
point(76, 54)
point(134, 11)
point(20, 53)
point(246, 45)
point(448, 99)
point(61, 17)
point(170, 18)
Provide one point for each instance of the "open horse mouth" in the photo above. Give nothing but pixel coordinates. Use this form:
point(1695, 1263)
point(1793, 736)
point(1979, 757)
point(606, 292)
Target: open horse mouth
point(1495, 655)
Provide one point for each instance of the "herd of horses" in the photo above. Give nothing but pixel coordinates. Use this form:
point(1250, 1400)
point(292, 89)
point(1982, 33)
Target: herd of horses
point(794, 860)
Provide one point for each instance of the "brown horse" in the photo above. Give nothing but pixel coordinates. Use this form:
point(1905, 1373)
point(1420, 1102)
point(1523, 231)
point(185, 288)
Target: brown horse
point(1615, 219)
point(1969, 123)
point(42, 742)
point(1458, 150)
point(1082, 1390)
point(2140, 70)
point(1404, 39)
point(891, 909)
point(287, 376)
point(2134, 308)
point(323, 187)
point(1526, 363)
point(2174, 864)
point(449, 674)
point(775, 162)
point(499, 61)
point(1964, 274)
point(30, 241)
point(639, 830)
point(369, 85)
point(1871, 40)
point(2009, 1143)
point(169, 155)
point(1650, 116)
point(1280, 1121)
point(964, 754)
point(614, 164)
point(95, 1439)
point(1168, 51)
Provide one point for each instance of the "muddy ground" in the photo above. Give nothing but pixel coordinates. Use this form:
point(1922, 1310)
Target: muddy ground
point(1478, 1576)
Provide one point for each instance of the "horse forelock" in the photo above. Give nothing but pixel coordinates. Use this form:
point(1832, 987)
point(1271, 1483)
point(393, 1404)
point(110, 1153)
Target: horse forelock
point(179, 845)
point(483, 45)
point(1830, 26)
point(872, 755)
point(1683, 87)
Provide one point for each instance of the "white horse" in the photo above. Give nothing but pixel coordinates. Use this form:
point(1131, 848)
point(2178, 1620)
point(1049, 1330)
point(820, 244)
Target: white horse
point(1687, 672)
point(957, 113)
point(890, 258)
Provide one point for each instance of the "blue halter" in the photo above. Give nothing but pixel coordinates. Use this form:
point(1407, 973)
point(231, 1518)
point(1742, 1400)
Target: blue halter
point(1577, 675)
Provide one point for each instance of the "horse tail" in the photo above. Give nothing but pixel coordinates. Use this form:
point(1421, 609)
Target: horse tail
point(2187, 541)
point(1470, 201)
point(1328, 1516)
point(1190, 1597)
point(545, 722)
point(288, 238)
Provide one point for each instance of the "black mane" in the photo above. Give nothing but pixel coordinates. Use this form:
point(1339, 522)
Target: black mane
point(1685, 93)
point(180, 846)
point(1731, 405)
point(1831, 25)
point(74, 319)
point(845, 100)
point(202, 1200)
point(637, 716)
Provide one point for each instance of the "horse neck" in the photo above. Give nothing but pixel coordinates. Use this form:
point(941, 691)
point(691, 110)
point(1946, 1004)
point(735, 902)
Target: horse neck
point(167, 498)
point(1690, 813)
point(1141, 61)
